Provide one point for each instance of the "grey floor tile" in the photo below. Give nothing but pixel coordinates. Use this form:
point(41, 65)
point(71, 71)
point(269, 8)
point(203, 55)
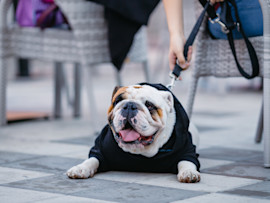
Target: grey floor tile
point(222, 198)
point(259, 190)
point(208, 183)
point(249, 193)
point(82, 154)
point(8, 157)
point(132, 192)
point(263, 187)
point(8, 175)
point(84, 140)
point(72, 199)
point(48, 164)
point(210, 163)
point(15, 195)
point(39, 146)
point(55, 184)
point(105, 189)
point(232, 154)
point(240, 169)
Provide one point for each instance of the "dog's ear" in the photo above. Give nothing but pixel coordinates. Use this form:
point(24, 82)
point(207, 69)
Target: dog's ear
point(115, 90)
point(168, 97)
point(113, 98)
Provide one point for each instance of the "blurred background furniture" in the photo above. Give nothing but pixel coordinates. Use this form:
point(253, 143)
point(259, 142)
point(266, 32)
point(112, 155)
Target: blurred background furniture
point(265, 4)
point(23, 64)
point(214, 58)
point(85, 45)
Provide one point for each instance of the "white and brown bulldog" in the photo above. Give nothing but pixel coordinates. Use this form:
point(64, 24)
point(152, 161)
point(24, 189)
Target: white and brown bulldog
point(148, 132)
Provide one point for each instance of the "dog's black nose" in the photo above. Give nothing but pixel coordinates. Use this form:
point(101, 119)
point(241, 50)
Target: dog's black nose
point(130, 106)
point(129, 110)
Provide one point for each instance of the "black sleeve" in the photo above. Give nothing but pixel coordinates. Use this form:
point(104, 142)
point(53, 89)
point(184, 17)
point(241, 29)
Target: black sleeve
point(190, 153)
point(96, 150)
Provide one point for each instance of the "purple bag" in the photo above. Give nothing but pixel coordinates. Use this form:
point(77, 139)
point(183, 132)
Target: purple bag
point(41, 13)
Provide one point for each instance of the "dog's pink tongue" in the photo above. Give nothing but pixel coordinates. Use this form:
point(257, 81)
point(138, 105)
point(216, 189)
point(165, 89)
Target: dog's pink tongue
point(129, 135)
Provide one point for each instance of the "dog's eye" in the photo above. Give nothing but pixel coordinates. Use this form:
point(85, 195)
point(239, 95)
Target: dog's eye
point(117, 99)
point(150, 106)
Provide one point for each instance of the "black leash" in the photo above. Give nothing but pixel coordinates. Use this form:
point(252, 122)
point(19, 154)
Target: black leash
point(227, 24)
point(226, 17)
point(177, 69)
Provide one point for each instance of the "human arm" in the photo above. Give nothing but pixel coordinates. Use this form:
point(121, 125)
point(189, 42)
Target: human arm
point(174, 14)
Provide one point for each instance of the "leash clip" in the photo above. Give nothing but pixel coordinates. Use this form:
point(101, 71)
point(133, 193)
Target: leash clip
point(173, 79)
point(223, 26)
point(238, 26)
point(174, 75)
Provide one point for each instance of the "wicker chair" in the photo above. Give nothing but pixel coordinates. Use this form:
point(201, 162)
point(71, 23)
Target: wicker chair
point(214, 58)
point(85, 45)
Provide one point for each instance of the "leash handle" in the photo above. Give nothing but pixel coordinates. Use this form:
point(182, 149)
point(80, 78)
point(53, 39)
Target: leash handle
point(251, 51)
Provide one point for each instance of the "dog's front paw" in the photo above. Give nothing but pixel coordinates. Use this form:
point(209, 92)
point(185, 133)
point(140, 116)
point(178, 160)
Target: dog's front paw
point(80, 171)
point(189, 176)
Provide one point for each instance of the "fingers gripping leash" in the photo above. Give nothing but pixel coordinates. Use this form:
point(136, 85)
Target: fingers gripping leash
point(177, 69)
point(174, 75)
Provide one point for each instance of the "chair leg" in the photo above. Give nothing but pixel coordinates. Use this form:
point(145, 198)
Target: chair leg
point(58, 83)
point(191, 95)
point(259, 130)
point(3, 82)
point(91, 98)
point(77, 91)
point(266, 120)
point(146, 71)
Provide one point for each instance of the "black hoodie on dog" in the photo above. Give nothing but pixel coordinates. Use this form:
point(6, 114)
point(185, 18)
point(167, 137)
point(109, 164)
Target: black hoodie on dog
point(178, 148)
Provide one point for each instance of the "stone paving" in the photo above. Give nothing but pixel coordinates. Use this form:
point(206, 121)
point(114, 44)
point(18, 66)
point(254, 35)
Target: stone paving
point(35, 155)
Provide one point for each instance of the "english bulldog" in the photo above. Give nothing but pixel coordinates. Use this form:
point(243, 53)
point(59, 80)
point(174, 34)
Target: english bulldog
point(147, 131)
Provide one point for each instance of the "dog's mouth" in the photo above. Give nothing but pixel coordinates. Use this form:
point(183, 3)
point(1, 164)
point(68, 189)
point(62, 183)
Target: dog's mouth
point(129, 135)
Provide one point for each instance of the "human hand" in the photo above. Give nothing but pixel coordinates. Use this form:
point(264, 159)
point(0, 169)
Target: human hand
point(215, 1)
point(176, 52)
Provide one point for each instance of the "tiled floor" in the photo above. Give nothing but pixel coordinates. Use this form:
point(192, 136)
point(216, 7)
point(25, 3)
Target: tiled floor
point(33, 175)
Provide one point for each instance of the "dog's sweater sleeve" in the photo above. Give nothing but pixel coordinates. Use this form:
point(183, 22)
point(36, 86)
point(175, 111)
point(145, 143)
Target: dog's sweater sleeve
point(96, 150)
point(190, 152)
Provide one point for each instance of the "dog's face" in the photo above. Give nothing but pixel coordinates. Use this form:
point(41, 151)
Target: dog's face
point(141, 118)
